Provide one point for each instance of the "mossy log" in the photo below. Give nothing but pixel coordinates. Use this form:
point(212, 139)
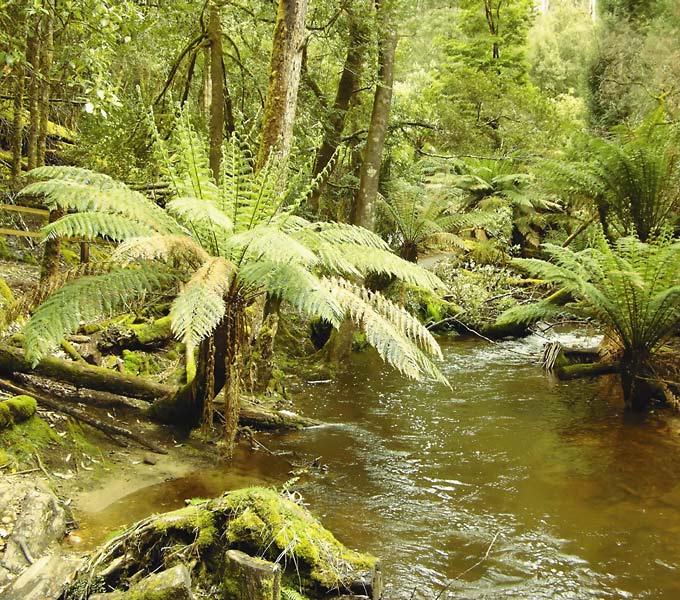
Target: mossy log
point(257, 521)
point(13, 361)
point(512, 323)
point(579, 370)
point(119, 336)
point(260, 417)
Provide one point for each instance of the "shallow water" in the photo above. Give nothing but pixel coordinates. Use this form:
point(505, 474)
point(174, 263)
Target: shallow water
point(509, 485)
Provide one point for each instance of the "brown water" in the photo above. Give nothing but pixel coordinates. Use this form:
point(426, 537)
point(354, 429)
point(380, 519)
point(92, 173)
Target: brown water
point(565, 496)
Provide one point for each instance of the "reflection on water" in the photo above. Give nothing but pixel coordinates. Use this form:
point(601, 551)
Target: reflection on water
point(578, 501)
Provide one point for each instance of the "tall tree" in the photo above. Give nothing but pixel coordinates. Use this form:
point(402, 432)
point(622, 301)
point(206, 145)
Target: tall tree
point(357, 36)
point(369, 178)
point(284, 80)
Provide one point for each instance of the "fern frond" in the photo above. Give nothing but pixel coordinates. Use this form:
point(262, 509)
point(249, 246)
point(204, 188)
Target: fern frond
point(189, 211)
point(200, 305)
point(90, 225)
point(86, 300)
point(382, 262)
point(294, 284)
point(175, 249)
point(341, 233)
point(75, 175)
point(120, 200)
point(269, 243)
point(388, 330)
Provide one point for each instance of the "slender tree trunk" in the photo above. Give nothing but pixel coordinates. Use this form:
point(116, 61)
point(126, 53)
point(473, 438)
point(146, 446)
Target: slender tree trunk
point(284, 81)
point(33, 58)
point(351, 75)
point(46, 58)
point(369, 179)
point(217, 90)
point(18, 18)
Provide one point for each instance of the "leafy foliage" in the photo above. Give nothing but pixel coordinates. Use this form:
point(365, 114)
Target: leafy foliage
point(633, 180)
point(632, 288)
point(238, 239)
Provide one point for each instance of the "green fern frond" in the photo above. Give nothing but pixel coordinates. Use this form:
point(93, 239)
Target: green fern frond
point(82, 197)
point(294, 284)
point(383, 262)
point(86, 300)
point(385, 330)
point(75, 175)
point(200, 305)
point(176, 249)
point(90, 225)
point(189, 211)
point(269, 243)
point(342, 233)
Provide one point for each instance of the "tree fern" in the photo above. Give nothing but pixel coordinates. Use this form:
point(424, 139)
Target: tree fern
point(633, 180)
point(632, 288)
point(227, 244)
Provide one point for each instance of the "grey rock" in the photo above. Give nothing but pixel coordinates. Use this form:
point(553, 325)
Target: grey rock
point(37, 521)
point(45, 579)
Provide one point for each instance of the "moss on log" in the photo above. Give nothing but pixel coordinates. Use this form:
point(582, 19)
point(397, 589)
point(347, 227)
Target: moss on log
point(580, 370)
point(13, 361)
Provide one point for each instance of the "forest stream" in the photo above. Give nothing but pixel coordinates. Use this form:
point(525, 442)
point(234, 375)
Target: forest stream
point(511, 484)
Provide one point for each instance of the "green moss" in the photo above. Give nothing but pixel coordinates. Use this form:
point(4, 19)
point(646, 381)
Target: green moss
point(261, 518)
point(28, 438)
point(71, 258)
point(6, 295)
point(359, 341)
point(5, 458)
point(6, 419)
point(139, 363)
point(150, 333)
point(5, 251)
point(22, 407)
point(194, 519)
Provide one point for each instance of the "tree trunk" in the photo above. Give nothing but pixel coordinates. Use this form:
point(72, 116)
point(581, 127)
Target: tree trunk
point(33, 57)
point(217, 90)
point(351, 75)
point(83, 375)
point(369, 179)
point(51, 252)
point(284, 81)
point(46, 58)
point(18, 108)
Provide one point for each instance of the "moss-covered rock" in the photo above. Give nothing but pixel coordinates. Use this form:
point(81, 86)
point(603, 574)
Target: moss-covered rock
point(22, 407)
point(6, 295)
point(6, 419)
point(261, 518)
point(257, 521)
point(140, 363)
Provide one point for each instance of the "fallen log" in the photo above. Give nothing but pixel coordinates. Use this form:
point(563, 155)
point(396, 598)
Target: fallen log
point(71, 411)
point(259, 417)
point(12, 360)
point(578, 370)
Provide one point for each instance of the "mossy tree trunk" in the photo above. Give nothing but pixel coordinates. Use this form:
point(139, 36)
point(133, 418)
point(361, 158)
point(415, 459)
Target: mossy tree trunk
point(18, 105)
point(217, 89)
point(284, 80)
point(369, 178)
